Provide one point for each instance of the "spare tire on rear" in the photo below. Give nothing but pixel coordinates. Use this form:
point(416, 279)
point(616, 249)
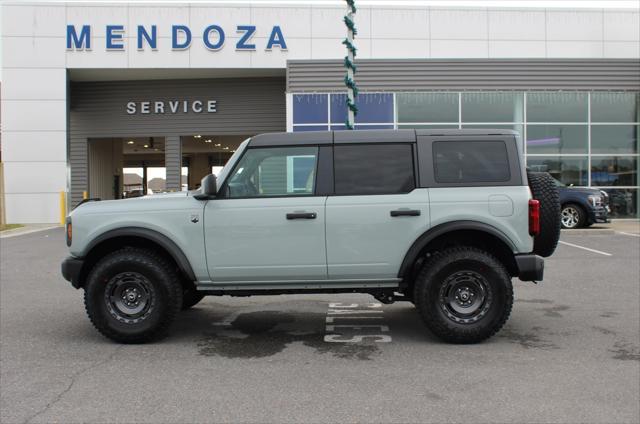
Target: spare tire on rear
point(543, 189)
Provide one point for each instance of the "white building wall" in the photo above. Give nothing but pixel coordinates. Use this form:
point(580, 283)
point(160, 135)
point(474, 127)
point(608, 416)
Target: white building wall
point(35, 59)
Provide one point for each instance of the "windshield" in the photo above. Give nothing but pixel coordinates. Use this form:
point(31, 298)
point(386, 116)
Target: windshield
point(222, 175)
point(558, 183)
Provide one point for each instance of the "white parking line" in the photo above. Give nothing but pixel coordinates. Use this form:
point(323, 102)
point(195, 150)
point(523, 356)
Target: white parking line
point(586, 248)
point(628, 234)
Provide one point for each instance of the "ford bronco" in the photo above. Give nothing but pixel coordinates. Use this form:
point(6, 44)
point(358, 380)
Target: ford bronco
point(440, 218)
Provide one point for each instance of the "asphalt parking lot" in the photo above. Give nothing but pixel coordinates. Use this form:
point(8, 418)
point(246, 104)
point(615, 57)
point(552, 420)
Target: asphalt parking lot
point(569, 353)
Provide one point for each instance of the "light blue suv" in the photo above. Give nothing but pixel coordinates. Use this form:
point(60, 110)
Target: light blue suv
point(440, 218)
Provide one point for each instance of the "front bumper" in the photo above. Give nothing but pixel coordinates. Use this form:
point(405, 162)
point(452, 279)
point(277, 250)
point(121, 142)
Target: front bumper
point(599, 214)
point(71, 268)
point(530, 267)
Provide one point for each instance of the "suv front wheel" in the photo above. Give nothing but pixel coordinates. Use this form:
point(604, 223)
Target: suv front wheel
point(133, 295)
point(463, 294)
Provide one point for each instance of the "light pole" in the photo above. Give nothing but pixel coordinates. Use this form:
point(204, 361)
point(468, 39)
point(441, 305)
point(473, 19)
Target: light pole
point(349, 79)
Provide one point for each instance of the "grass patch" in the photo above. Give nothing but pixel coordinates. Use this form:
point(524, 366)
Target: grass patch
point(4, 227)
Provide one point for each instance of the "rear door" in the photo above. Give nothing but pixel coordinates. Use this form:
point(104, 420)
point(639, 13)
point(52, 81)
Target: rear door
point(376, 212)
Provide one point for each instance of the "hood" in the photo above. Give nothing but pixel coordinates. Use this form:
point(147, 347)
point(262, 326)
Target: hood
point(150, 201)
point(585, 190)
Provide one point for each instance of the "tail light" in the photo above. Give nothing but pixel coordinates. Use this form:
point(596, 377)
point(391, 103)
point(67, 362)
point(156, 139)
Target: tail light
point(534, 217)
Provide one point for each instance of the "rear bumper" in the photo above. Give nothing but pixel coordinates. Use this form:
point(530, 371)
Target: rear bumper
point(71, 268)
point(530, 267)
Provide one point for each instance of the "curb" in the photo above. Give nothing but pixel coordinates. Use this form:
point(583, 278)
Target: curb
point(587, 231)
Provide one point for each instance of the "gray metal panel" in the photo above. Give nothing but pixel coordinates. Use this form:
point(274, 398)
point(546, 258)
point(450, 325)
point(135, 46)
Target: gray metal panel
point(173, 162)
point(245, 106)
point(288, 139)
point(374, 136)
point(467, 74)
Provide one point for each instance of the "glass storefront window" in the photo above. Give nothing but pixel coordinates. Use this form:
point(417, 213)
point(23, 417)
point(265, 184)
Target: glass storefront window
point(556, 107)
point(427, 127)
point(515, 127)
point(427, 107)
point(310, 109)
point(615, 107)
point(297, 128)
point(372, 108)
point(614, 139)
point(493, 107)
point(623, 202)
point(614, 171)
point(557, 139)
point(568, 170)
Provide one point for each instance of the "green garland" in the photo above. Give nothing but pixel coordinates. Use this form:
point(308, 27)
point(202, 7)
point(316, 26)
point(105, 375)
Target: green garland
point(348, 63)
point(350, 25)
point(350, 46)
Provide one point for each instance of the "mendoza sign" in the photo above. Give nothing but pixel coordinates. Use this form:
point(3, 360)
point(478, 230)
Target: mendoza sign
point(80, 38)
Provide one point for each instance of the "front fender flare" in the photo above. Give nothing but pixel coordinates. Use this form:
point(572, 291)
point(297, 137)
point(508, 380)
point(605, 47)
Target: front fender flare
point(154, 236)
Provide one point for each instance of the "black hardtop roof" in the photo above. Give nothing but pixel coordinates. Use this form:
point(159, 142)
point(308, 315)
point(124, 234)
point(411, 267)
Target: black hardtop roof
point(365, 136)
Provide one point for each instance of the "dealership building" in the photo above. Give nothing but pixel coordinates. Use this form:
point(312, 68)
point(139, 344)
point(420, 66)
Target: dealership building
point(115, 100)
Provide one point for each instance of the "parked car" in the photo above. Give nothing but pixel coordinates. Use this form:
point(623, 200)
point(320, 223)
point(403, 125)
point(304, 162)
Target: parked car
point(582, 206)
point(443, 219)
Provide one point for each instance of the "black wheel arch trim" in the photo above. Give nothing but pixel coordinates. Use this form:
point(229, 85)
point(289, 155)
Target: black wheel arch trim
point(152, 235)
point(428, 236)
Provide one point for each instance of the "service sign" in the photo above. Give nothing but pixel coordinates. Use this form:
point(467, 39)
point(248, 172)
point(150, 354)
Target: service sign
point(172, 107)
point(212, 37)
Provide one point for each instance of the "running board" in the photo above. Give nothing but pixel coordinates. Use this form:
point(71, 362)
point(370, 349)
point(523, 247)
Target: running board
point(298, 286)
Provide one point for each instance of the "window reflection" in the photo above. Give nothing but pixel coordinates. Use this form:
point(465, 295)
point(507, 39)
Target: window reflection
point(614, 171)
point(557, 139)
point(614, 139)
point(568, 170)
point(615, 107)
point(556, 107)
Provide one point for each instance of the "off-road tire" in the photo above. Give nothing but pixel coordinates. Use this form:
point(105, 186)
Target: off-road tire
point(191, 297)
point(582, 216)
point(162, 285)
point(433, 277)
point(544, 189)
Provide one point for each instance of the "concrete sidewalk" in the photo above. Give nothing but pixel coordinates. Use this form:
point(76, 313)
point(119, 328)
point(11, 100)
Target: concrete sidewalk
point(27, 229)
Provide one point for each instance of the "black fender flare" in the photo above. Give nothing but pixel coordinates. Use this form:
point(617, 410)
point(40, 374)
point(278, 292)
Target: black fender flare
point(429, 235)
point(154, 236)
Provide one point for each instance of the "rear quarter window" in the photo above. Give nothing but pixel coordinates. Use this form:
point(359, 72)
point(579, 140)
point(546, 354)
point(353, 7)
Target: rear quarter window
point(470, 162)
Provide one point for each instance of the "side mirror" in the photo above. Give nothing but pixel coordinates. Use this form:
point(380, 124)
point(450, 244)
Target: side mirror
point(208, 187)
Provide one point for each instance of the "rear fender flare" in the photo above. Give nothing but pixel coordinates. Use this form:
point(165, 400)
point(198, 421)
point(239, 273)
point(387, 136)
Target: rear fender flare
point(431, 234)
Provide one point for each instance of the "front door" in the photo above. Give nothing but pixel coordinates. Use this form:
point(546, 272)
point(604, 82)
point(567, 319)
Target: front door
point(267, 224)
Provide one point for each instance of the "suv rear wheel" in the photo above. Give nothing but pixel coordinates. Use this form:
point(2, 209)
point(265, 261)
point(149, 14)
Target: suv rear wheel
point(463, 294)
point(133, 295)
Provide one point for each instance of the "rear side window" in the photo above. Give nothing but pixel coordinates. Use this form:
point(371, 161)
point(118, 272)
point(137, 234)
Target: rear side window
point(471, 161)
point(373, 169)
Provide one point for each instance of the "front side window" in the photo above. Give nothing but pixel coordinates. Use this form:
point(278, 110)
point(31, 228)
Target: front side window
point(471, 161)
point(373, 169)
point(274, 171)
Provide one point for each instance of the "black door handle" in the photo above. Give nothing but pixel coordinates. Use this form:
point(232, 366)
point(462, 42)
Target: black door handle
point(405, 212)
point(301, 215)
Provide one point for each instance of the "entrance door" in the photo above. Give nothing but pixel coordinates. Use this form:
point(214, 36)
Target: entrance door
point(268, 224)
